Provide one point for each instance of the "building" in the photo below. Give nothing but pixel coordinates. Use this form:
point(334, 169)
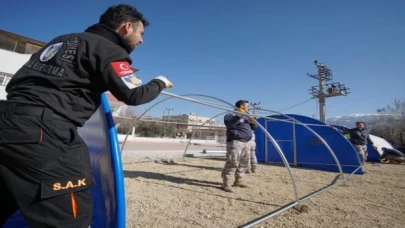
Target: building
point(204, 127)
point(20, 44)
point(9, 65)
point(15, 50)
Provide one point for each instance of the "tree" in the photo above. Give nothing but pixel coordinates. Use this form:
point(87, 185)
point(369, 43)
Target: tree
point(149, 129)
point(390, 124)
point(125, 119)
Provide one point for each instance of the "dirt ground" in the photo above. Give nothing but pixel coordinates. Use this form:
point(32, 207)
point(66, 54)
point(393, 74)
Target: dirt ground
point(187, 193)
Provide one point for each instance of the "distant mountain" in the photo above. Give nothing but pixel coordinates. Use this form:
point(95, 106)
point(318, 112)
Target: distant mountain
point(350, 120)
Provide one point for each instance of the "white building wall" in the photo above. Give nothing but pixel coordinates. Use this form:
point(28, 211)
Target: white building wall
point(10, 62)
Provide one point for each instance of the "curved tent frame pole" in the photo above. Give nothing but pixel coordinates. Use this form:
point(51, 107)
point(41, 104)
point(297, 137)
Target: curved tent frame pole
point(293, 204)
point(313, 132)
point(297, 200)
point(168, 98)
point(260, 126)
point(192, 135)
point(294, 120)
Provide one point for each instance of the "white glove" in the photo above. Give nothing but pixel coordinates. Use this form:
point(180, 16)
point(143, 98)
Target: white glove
point(165, 80)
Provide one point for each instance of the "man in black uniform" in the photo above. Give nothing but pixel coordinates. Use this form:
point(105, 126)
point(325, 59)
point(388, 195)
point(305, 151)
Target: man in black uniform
point(44, 164)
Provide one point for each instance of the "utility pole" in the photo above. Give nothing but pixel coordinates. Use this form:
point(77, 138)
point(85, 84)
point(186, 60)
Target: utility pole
point(168, 113)
point(168, 118)
point(255, 107)
point(325, 90)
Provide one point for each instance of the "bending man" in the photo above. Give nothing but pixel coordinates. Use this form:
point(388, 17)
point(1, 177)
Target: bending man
point(392, 156)
point(45, 168)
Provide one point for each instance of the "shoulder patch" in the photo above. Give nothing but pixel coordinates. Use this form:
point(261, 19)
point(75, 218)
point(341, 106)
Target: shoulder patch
point(124, 71)
point(50, 52)
point(122, 68)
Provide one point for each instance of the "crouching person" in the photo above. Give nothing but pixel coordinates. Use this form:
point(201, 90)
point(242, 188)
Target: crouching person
point(238, 133)
point(392, 156)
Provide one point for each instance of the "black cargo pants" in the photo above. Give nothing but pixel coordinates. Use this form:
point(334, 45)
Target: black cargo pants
point(44, 168)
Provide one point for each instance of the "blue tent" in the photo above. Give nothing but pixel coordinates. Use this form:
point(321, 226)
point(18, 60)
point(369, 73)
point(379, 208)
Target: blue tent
point(301, 147)
point(108, 194)
point(373, 155)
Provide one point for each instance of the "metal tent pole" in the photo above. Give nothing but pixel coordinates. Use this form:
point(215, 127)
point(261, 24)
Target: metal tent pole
point(168, 98)
point(192, 135)
point(292, 204)
point(259, 125)
point(313, 132)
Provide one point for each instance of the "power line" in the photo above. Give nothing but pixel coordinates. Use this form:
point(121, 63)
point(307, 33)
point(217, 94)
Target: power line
point(296, 104)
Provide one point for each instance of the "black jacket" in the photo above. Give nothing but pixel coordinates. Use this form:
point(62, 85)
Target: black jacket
point(359, 137)
point(393, 152)
point(238, 128)
point(71, 72)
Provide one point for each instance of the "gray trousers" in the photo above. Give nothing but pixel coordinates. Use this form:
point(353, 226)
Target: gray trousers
point(252, 153)
point(237, 159)
point(362, 150)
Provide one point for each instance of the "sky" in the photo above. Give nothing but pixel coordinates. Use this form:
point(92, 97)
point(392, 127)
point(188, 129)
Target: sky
point(259, 51)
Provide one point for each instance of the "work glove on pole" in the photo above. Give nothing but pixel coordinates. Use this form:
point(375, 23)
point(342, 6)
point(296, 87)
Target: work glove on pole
point(168, 83)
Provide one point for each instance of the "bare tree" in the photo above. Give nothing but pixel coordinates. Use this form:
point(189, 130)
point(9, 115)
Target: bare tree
point(390, 124)
point(125, 120)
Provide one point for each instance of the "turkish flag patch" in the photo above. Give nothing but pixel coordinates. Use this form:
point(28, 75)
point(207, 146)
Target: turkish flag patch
point(122, 68)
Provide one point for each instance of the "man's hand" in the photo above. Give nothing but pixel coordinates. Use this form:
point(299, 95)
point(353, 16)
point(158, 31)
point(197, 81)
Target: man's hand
point(375, 148)
point(251, 119)
point(165, 80)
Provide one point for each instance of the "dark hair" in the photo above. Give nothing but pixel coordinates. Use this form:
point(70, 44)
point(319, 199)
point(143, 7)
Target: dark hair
point(240, 102)
point(115, 15)
point(360, 122)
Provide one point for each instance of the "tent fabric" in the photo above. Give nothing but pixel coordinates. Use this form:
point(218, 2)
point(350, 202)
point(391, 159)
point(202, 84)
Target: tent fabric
point(108, 194)
point(310, 151)
point(373, 154)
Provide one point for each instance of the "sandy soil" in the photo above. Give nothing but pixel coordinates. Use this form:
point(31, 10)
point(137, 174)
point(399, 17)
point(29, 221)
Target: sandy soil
point(186, 193)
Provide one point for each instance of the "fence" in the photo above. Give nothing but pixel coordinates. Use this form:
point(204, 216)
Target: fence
point(158, 128)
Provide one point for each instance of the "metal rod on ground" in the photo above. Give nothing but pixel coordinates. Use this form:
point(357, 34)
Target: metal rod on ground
point(290, 205)
point(259, 125)
point(297, 201)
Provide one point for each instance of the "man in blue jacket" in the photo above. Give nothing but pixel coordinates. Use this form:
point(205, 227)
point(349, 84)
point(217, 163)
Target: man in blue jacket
point(238, 133)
